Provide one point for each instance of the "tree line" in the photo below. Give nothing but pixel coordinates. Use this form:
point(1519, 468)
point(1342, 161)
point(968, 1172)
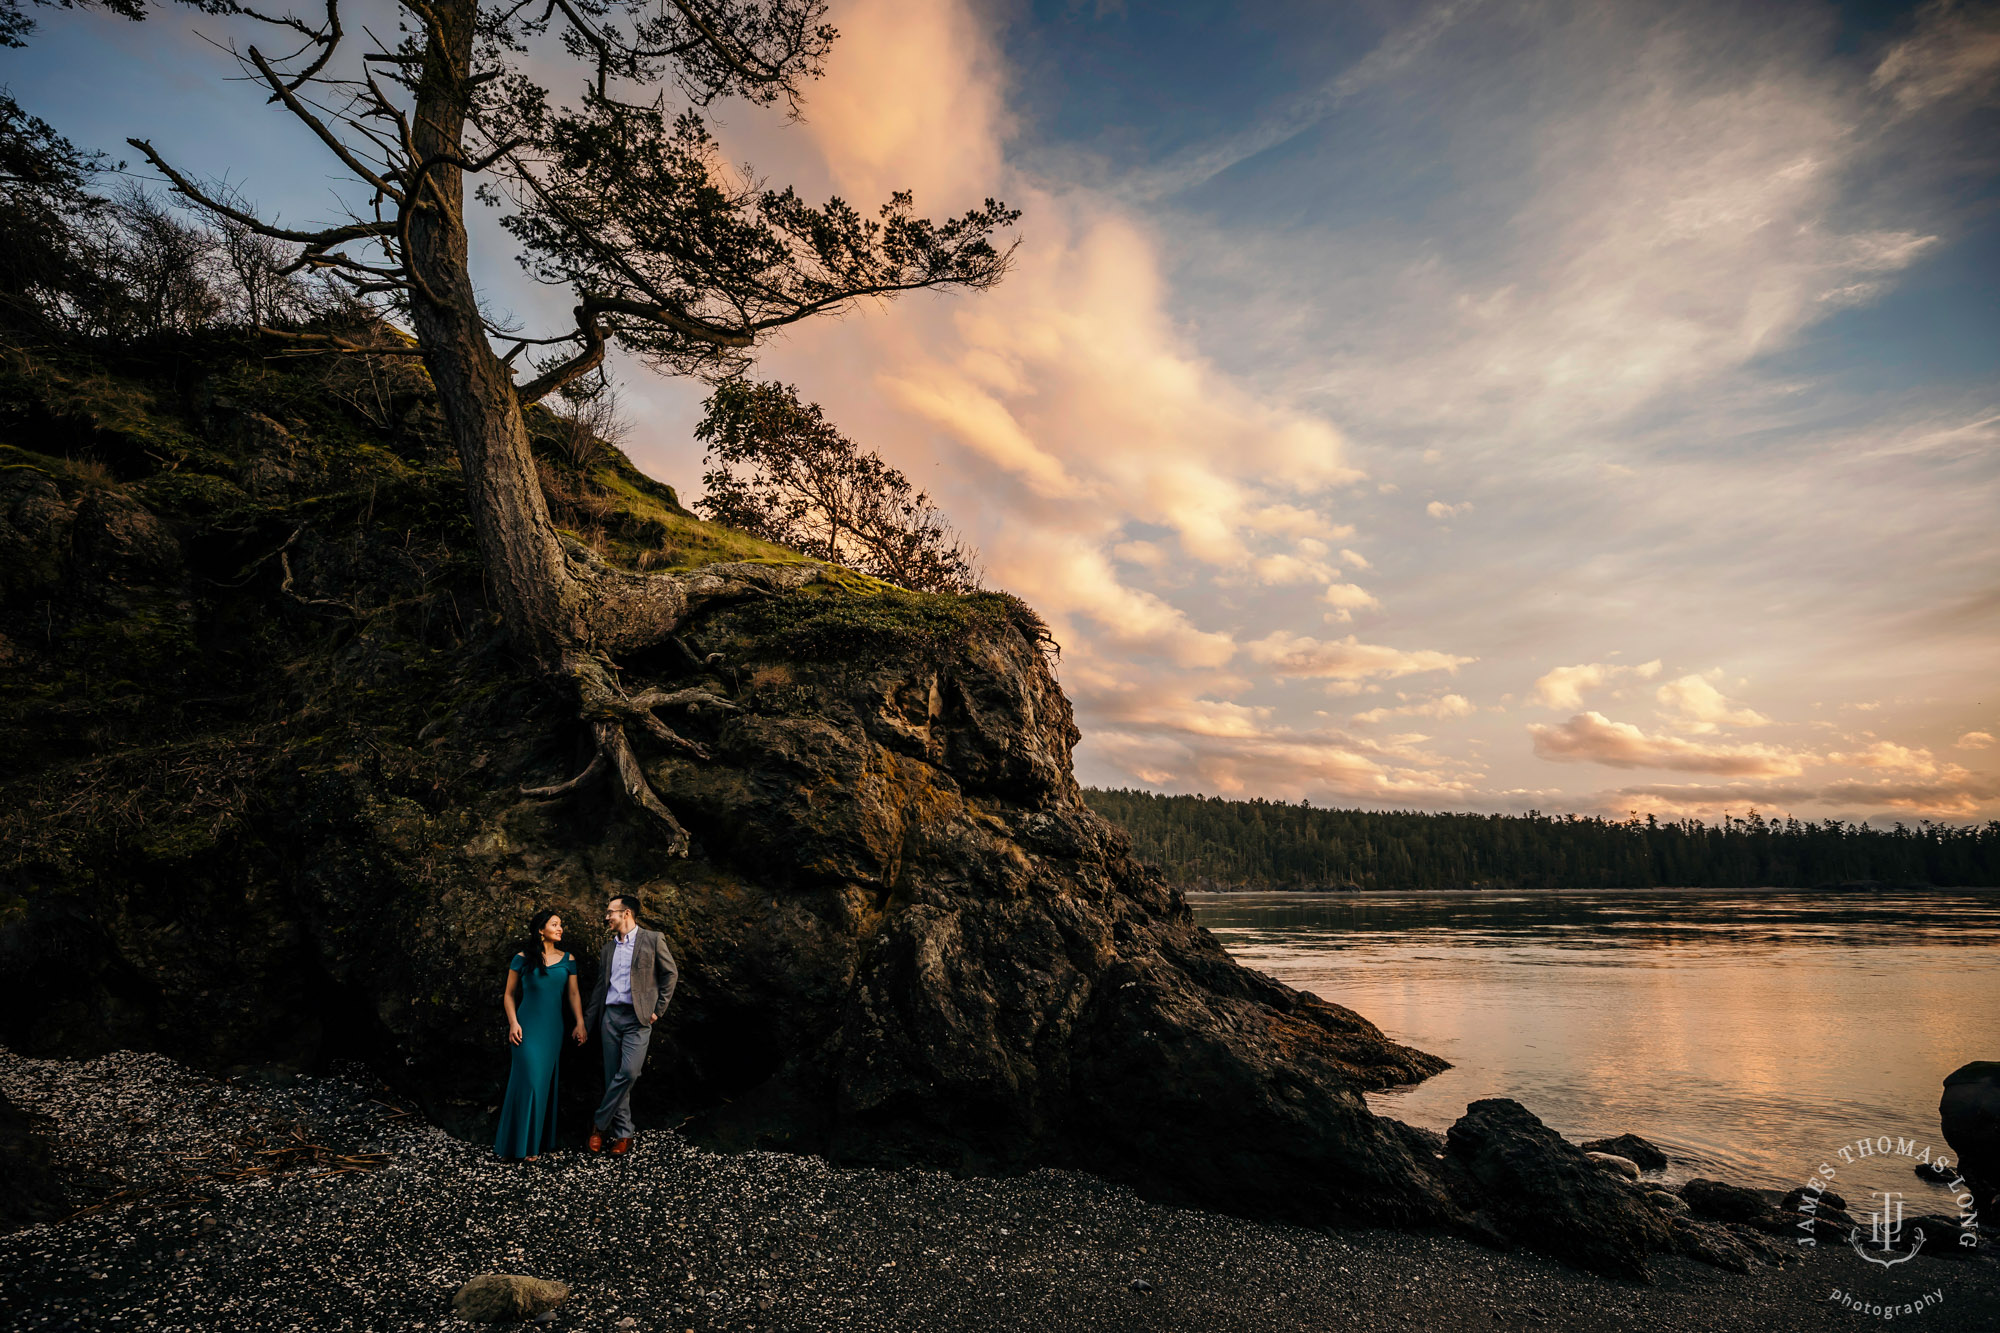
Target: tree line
point(1206, 842)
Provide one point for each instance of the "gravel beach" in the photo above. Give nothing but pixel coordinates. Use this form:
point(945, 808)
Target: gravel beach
point(197, 1229)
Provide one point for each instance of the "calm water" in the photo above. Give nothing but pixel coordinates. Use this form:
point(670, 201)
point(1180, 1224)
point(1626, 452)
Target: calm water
point(1752, 1032)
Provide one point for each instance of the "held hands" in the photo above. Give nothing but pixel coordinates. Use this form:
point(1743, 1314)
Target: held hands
point(513, 1032)
point(577, 1034)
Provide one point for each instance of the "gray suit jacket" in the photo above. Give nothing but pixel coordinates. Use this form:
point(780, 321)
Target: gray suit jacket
point(654, 975)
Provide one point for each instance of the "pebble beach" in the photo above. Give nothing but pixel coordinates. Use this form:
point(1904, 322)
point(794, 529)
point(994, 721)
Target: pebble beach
point(319, 1203)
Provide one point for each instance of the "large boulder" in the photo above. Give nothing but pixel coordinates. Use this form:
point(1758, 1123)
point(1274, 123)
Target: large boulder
point(1539, 1190)
point(1969, 1114)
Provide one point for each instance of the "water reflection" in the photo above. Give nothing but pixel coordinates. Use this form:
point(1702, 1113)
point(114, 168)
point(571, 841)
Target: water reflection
point(1751, 1031)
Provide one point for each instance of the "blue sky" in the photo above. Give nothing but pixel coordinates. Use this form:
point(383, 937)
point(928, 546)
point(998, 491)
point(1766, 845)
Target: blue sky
point(1489, 406)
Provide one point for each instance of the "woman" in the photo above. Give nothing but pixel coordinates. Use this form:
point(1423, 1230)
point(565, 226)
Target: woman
point(539, 978)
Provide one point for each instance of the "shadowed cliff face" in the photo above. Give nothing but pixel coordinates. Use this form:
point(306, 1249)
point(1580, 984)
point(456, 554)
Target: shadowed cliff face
point(903, 938)
point(260, 799)
point(270, 751)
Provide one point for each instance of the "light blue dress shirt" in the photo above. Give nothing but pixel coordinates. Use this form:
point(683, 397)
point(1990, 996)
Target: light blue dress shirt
point(619, 990)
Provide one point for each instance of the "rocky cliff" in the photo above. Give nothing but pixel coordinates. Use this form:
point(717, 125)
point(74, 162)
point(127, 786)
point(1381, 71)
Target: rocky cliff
point(265, 753)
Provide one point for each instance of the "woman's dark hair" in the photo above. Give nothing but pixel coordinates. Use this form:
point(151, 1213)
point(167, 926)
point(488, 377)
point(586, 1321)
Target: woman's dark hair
point(532, 955)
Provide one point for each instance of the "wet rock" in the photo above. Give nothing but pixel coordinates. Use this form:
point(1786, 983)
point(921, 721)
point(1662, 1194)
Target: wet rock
point(1969, 1114)
point(1944, 1237)
point(1631, 1146)
point(1667, 1203)
point(1616, 1165)
point(1823, 1200)
point(1724, 1202)
point(1545, 1193)
point(1715, 1244)
point(504, 1298)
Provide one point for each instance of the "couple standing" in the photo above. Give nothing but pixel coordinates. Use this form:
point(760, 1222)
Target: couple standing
point(635, 981)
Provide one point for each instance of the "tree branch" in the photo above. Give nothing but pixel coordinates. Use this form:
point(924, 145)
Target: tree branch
point(326, 136)
point(355, 231)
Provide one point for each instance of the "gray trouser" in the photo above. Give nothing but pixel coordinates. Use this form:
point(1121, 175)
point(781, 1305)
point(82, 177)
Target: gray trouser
point(624, 1039)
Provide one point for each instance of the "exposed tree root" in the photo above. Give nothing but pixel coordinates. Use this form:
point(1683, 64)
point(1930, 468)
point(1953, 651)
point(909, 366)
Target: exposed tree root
point(648, 608)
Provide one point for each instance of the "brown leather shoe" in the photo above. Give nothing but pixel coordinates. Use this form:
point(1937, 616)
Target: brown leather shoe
point(596, 1140)
point(621, 1145)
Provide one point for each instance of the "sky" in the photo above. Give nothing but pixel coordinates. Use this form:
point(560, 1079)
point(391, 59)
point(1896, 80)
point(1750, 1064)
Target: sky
point(1493, 406)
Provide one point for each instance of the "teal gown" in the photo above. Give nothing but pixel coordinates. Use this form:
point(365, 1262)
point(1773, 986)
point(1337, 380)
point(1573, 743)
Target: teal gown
point(528, 1115)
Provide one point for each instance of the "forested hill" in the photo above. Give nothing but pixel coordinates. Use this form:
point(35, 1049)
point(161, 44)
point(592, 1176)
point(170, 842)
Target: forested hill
point(1205, 842)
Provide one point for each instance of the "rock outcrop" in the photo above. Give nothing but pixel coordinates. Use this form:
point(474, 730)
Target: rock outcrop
point(266, 751)
point(1969, 1115)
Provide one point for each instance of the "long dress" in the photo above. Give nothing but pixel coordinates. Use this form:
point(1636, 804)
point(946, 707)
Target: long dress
point(528, 1115)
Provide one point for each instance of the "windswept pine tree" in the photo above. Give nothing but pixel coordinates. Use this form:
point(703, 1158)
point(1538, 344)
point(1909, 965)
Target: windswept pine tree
point(619, 195)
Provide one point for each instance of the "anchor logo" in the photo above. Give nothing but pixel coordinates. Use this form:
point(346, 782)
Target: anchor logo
point(1885, 1228)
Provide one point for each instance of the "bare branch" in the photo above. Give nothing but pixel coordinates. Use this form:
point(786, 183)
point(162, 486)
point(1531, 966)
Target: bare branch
point(331, 236)
point(575, 368)
point(282, 93)
point(332, 342)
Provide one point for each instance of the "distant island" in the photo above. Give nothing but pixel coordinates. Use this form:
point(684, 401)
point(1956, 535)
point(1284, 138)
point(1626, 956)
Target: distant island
point(1208, 843)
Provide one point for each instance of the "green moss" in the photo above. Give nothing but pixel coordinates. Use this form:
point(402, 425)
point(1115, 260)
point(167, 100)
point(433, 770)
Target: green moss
point(852, 616)
point(190, 494)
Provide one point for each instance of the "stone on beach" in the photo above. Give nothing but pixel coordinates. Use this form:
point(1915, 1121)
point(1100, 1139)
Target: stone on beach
point(1616, 1165)
point(1943, 1236)
point(1728, 1203)
point(1822, 1200)
point(1540, 1189)
point(495, 1298)
point(1630, 1146)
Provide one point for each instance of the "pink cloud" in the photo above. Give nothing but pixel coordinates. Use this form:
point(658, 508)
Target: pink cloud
point(1594, 738)
point(1295, 655)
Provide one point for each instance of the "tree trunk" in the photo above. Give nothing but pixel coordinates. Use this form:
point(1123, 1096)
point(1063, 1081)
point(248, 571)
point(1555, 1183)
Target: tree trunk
point(564, 607)
point(543, 604)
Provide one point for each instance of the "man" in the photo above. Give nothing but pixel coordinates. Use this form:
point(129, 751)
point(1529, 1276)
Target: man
point(635, 980)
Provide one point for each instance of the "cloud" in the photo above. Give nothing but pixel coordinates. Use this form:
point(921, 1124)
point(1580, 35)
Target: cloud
point(1955, 50)
point(1346, 599)
point(1564, 687)
point(1173, 735)
point(1975, 740)
point(1594, 738)
point(1896, 758)
point(1672, 213)
point(1444, 706)
point(1292, 655)
point(1703, 708)
point(1153, 429)
point(1945, 798)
